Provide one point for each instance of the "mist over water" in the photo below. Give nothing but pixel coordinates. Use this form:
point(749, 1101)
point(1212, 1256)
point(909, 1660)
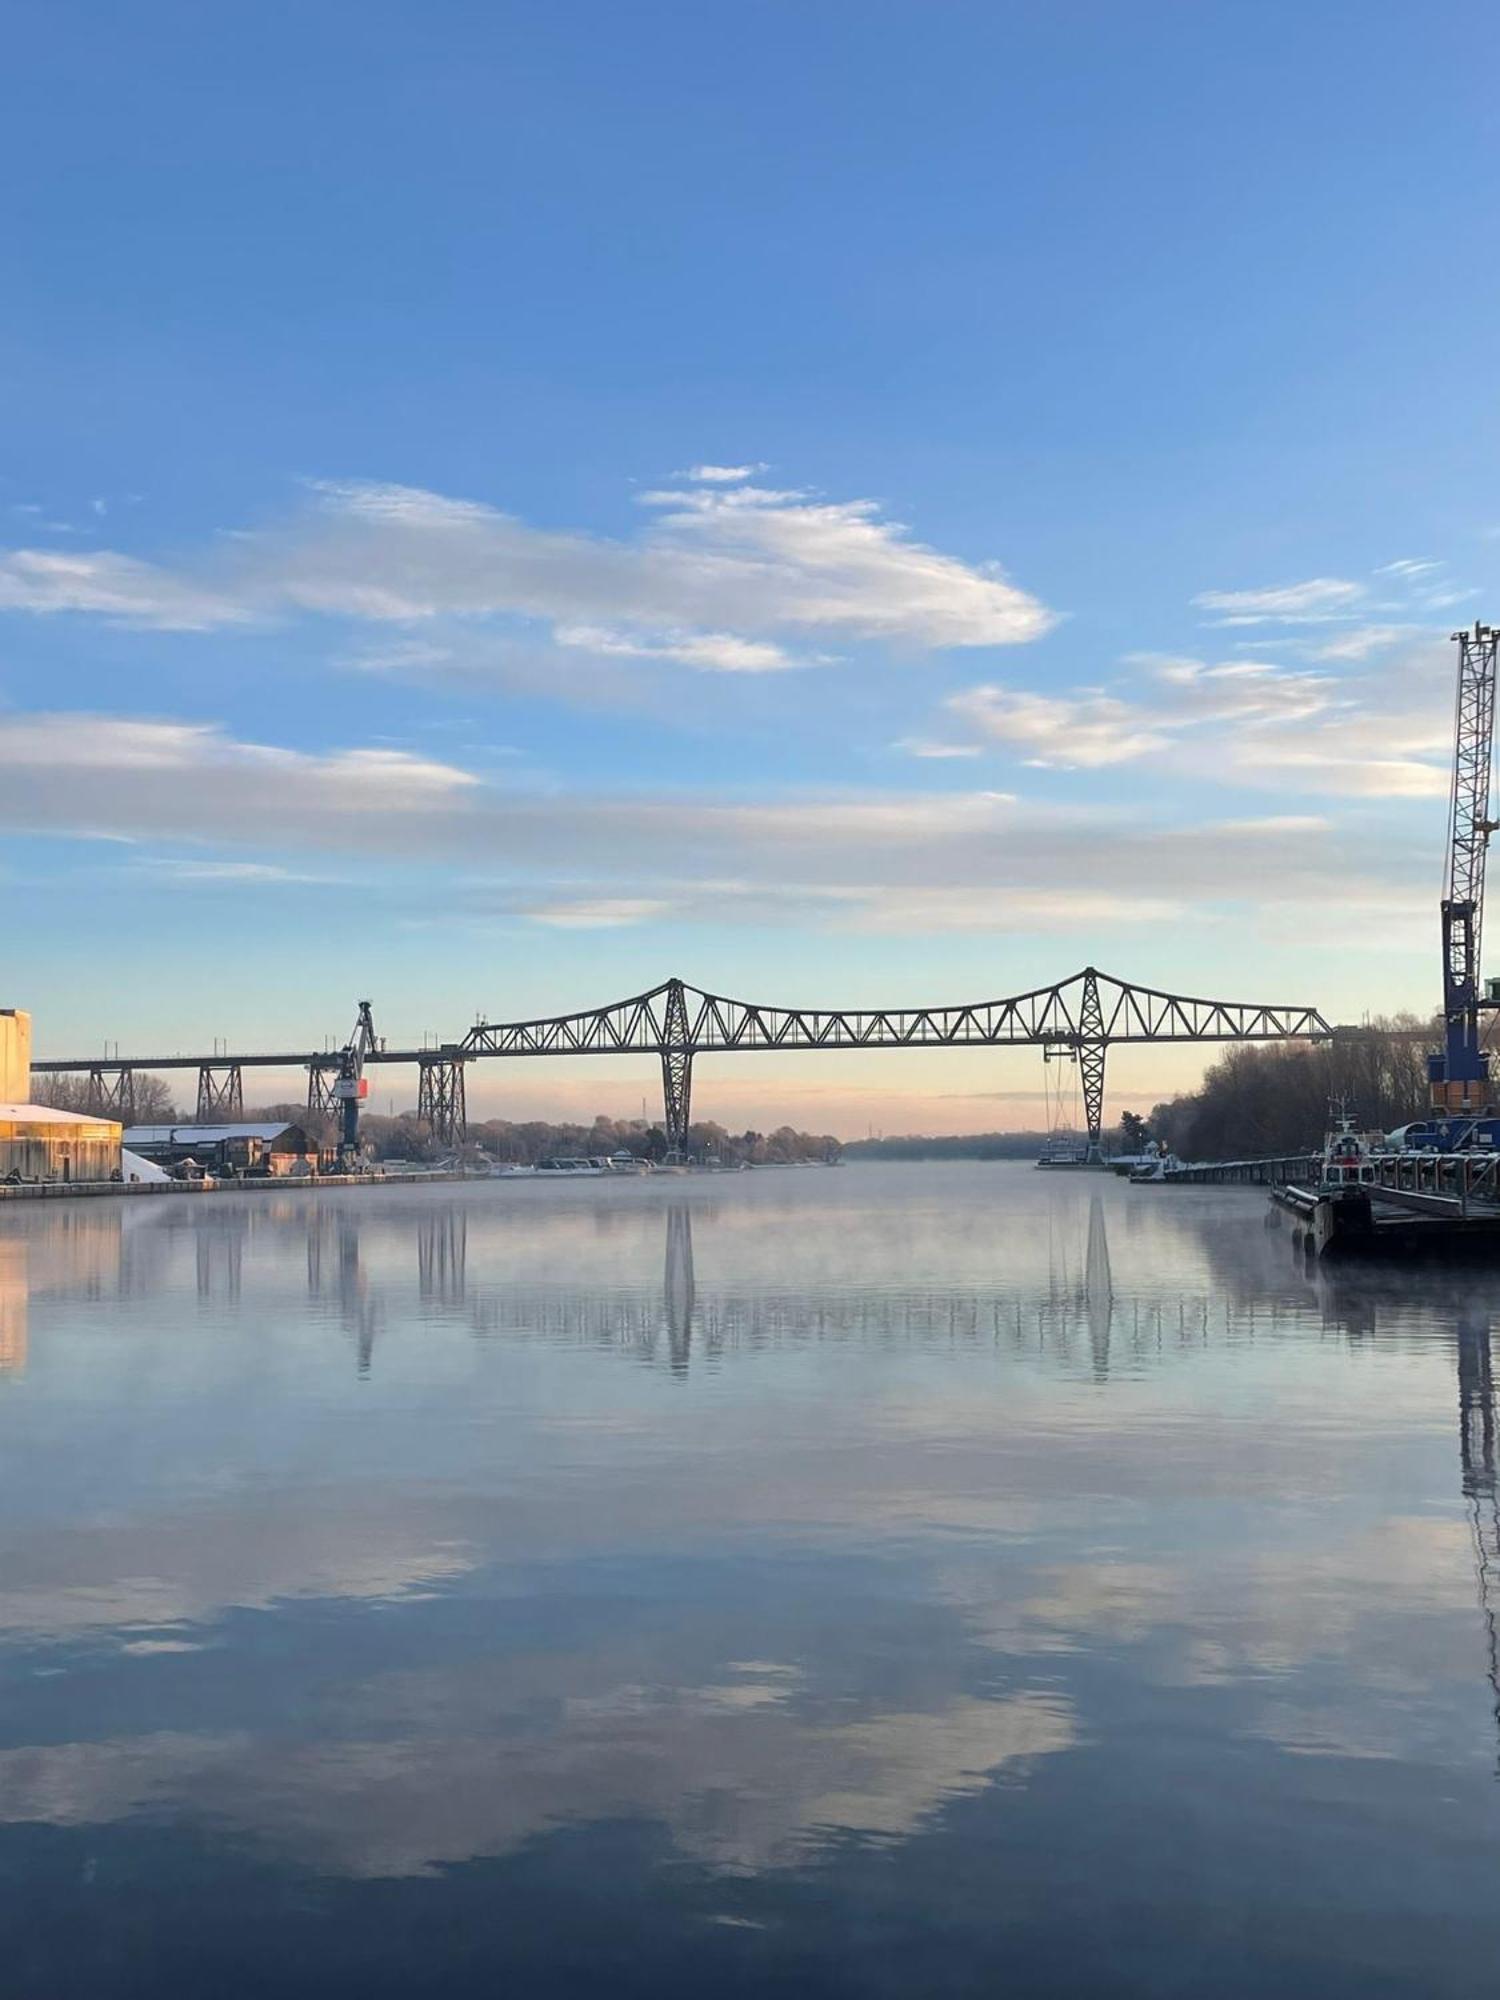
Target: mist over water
point(947, 1579)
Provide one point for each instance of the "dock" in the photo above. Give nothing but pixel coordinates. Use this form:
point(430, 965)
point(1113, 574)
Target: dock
point(1412, 1204)
point(1274, 1171)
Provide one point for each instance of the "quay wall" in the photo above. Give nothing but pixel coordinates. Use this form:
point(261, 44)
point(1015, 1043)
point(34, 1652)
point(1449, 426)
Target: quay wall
point(281, 1183)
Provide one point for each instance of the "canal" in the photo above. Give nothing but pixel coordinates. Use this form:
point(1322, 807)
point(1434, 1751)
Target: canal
point(890, 1579)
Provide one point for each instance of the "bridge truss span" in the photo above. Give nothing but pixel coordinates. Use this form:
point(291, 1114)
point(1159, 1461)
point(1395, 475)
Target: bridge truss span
point(1090, 1006)
point(1078, 1019)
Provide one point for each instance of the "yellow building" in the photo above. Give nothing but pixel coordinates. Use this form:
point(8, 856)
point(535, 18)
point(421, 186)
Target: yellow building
point(36, 1142)
point(15, 1056)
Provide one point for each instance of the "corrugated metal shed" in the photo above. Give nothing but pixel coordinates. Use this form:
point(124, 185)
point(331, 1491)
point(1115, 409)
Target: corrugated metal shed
point(47, 1114)
point(137, 1136)
point(40, 1143)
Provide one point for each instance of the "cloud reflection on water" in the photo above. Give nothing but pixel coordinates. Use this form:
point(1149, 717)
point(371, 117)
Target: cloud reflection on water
point(908, 1486)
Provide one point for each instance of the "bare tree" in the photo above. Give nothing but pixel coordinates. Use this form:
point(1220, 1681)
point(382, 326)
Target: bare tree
point(153, 1098)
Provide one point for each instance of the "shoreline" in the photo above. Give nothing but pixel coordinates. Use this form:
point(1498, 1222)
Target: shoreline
point(83, 1190)
point(63, 1190)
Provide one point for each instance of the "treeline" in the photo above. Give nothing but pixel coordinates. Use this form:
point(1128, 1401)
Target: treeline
point(407, 1137)
point(1126, 1137)
point(962, 1146)
point(1274, 1097)
point(523, 1143)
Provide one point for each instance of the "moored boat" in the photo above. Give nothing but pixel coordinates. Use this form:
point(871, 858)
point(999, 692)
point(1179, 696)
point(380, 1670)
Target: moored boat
point(1065, 1149)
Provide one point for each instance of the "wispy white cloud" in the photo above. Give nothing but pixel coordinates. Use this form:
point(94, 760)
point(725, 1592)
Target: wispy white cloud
point(1323, 769)
point(1410, 588)
point(888, 862)
point(42, 752)
point(598, 913)
point(925, 746)
point(1360, 642)
point(1248, 722)
point(717, 570)
point(229, 872)
point(113, 586)
point(1310, 602)
point(721, 475)
point(1082, 731)
point(1036, 912)
point(1089, 729)
point(714, 652)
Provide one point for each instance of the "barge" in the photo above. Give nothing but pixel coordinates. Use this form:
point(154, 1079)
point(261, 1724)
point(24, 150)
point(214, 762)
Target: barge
point(1400, 1201)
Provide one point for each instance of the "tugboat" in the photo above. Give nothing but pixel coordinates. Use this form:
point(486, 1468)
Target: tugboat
point(1346, 1155)
point(1335, 1204)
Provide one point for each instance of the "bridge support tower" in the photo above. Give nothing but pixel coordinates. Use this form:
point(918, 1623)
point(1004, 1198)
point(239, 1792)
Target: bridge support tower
point(676, 1072)
point(111, 1092)
point(221, 1094)
point(320, 1082)
point(1091, 1048)
point(440, 1096)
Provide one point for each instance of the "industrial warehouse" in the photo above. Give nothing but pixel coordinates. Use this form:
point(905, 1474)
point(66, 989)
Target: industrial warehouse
point(37, 1142)
point(273, 1149)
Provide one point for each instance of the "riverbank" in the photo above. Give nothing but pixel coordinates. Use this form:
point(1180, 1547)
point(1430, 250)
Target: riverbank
point(281, 1183)
point(67, 1190)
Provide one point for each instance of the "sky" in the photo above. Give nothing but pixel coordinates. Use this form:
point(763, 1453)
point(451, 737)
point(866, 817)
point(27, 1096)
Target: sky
point(855, 502)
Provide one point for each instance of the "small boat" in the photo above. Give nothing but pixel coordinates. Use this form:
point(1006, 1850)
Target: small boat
point(1346, 1156)
point(1154, 1165)
point(1065, 1149)
point(572, 1168)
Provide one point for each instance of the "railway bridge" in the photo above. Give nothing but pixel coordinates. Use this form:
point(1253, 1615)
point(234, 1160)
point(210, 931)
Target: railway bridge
point(1076, 1020)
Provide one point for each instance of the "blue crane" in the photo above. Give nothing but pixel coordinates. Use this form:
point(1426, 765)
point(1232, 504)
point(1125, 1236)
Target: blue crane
point(1459, 1073)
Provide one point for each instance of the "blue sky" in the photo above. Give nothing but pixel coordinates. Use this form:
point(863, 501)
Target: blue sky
point(848, 503)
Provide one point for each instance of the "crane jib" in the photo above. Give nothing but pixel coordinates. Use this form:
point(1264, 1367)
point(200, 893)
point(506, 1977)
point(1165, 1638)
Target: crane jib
point(1460, 1073)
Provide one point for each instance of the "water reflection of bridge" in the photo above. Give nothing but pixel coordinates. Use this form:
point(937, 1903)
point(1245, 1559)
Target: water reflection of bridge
point(359, 1263)
point(354, 1257)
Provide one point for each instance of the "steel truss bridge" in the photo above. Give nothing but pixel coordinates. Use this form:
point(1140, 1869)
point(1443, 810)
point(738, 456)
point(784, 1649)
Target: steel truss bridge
point(1079, 1019)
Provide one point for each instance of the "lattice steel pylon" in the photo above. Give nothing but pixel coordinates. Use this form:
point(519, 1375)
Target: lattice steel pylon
point(111, 1092)
point(441, 1098)
point(320, 1082)
point(221, 1094)
point(676, 1070)
point(1091, 1047)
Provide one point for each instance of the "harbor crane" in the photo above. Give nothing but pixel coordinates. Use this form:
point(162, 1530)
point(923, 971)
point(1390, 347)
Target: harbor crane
point(1459, 1073)
point(346, 1090)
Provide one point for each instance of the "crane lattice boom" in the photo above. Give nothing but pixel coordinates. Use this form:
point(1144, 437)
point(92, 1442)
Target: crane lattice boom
point(1460, 1076)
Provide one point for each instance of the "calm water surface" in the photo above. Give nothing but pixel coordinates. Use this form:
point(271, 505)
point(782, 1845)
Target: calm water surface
point(949, 1580)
